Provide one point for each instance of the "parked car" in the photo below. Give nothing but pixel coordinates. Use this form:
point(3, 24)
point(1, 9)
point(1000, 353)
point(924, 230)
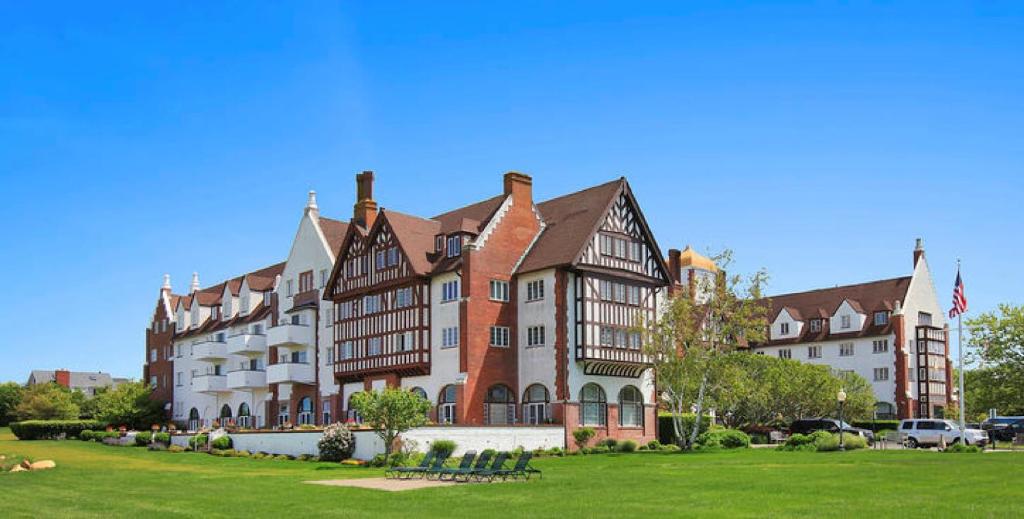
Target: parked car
point(809, 425)
point(1003, 428)
point(924, 432)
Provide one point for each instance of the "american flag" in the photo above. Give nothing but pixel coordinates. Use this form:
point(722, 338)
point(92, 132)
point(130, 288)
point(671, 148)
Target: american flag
point(959, 299)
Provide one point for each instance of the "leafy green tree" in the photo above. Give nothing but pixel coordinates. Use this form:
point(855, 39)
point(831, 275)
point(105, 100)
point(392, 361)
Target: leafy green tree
point(690, 342)
point(46, 402)
point(391, 412)
point(997, 341)
point(128, 404)
point(10, 397)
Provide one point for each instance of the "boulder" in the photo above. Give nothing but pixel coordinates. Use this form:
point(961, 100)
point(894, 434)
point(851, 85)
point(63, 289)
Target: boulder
point(26, 464)
point(43, 464)
point(18, 468)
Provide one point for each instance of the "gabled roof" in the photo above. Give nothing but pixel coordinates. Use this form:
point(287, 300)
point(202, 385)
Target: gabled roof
point(416, 237)
point(866, 298)
point(334, 231)
point(569, 222)
point(471, 218)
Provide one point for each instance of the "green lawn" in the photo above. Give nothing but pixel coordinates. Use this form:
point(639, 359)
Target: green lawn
point(97, 480)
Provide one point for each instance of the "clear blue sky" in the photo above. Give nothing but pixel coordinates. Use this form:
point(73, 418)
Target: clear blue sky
point(816, 139)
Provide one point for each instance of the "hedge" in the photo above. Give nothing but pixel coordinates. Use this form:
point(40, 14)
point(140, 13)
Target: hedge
point(877, 425)
point(52, 429)
point(666, 431)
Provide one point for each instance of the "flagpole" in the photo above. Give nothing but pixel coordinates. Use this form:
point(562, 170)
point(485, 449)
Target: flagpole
point(960, 352)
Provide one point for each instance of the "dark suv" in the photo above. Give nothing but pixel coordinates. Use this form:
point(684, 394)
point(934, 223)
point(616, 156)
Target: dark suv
point(1003, 428)
point(809, 425)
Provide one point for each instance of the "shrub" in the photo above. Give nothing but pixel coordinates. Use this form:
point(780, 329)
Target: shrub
point(961, 448)
point(556, 451)
point(817, 437)
point(759, 439)
point(222, 443)
point(797, 440)
point(86, 435)
point(600, 449)
point(609, 442)
point(197, 441)
point(143, 438)
point(52, 429)
point(258, 455)
point(582, 436)
point(666, 431)
point(671, 448)
point(175, 448)
point(446, 447)
point(305, 457)
point(850, 442)
point(877, 425)
point(337, 443)
point(377, 461)
point(162, 437)
point(654, 445)
point(283, 457)
point(725, 438)
point(627, 446)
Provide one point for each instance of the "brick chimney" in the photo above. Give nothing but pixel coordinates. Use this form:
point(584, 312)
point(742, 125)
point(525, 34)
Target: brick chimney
point(673, 265)
point(520, 186)
point(918, 251)
point(62, 377)
point(365, 210)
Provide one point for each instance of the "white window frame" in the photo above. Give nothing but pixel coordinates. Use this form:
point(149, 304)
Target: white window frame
point(846, 349)
point(785, 353)
point(450, 337)
point(880, 346)
point(450, 291)
point(446, 413)
point(374, 346)
point(499, 290)
point(500, 336)
point(454, 247)
point(784, 328)
point(881, 374)
point(814, 352)
point(535, 290)
point(535, 336)
point(845, 322)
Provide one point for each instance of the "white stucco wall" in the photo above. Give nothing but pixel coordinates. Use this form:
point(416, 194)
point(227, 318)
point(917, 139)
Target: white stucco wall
point(536, 363)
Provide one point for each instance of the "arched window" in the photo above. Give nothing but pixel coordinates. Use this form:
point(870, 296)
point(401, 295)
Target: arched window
point(885, 411)
point(420, 392)
point(283, 416)
point(446, 405)
point(193, 419)
point(225, 412)
point(535, 404)
point(593, 405)
point(499, 405)
point(305, 411)
point(631, 407)
point(244, 418)
point(351, 415)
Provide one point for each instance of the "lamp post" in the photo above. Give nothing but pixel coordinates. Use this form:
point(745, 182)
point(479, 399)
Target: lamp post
point(841, 398)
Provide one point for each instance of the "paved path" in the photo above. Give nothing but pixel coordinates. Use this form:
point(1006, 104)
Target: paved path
point(390, 485)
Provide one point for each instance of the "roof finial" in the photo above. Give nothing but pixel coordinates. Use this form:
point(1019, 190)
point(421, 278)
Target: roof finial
point(195, 283)
point(167, 283)
point(311, 206)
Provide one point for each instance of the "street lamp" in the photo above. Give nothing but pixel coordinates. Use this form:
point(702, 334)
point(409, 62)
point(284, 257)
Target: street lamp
point(841, 398)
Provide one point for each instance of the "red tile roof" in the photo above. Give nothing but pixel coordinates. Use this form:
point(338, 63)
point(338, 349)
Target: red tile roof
point(334, 231)
point(865, 298)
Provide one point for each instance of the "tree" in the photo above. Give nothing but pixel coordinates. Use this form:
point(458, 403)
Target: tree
point(997, 341)
point(128, 404)
point(391, 412)
point(10, 396)
point(690, 342)
point(46, 402)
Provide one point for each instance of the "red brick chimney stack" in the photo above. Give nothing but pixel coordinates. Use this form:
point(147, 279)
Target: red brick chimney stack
point(520, 186)
point(365, 211)
point(62, 377)
point(918, 251)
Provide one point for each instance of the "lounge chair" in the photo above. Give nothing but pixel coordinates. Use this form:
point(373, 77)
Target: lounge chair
point(467, 462)
point(435, 467)
point(521, 468)
point(496, 466)
point(481, 464)
point(411, 471)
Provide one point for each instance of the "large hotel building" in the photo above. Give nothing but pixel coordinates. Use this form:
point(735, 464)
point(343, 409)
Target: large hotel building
point(505, 311)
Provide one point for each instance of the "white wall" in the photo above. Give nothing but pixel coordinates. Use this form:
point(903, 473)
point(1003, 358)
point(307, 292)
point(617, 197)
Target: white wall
point(444, 362)
point(537, 363)
point(784, 317)
point(836, 321)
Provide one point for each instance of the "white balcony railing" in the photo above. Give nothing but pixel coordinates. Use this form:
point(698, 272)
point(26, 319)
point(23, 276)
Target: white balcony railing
point(290, 335)
point(290, 373)
point(247, 379)
point(210, 350)
point(247, 344)
point(210, 384)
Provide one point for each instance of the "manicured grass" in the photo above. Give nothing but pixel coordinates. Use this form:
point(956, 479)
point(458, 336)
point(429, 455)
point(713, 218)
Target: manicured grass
point(97, 480)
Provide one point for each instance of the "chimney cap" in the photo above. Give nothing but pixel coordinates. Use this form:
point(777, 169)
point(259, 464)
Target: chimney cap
point(919, 245)
point(167, 282)
point(195, 283)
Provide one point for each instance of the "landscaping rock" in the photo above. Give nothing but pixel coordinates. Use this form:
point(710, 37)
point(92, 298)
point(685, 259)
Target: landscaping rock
point(26, 464)
point(18, 468)
point(43, 464)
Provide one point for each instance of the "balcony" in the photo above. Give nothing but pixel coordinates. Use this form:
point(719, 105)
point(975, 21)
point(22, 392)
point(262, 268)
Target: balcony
point(290, 335)
point(210, 384)
point(247, 344)
point(211, 350)
point(290, 373)
point(247, 379)
point(406, 364)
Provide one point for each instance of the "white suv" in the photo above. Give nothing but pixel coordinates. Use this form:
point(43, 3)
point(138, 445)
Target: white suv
point(925, 432)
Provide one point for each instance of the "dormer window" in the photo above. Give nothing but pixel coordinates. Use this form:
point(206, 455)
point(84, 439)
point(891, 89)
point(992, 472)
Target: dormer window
point(815, 325)
point(439, 243)
point(881, 318)
point(214, 312)
point(454, 246)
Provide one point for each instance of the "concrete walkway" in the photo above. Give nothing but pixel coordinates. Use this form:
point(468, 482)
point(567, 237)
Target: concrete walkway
point(389, 485)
